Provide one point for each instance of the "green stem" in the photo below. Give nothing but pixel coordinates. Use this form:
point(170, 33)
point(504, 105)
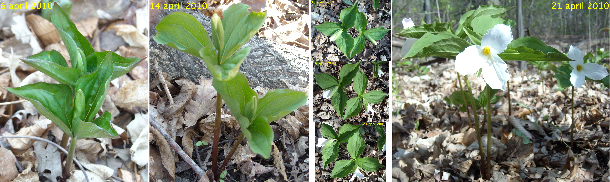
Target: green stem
point(465, 102)
point(70, 156)
point(476, 125)
point(489, 129)
point(233, 149)
point(216, 138)
point(573, 122)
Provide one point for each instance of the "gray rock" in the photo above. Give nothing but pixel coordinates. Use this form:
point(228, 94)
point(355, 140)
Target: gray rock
point(268, 66)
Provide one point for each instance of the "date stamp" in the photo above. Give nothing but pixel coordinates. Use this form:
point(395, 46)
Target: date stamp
point(374, 123)
point(26, 6)
point(177, 6)
point(581, 5)
point(323, 62)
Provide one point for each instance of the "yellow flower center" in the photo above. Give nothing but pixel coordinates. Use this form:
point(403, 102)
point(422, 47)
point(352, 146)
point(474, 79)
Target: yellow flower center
point(578, 68)
point(486, 51)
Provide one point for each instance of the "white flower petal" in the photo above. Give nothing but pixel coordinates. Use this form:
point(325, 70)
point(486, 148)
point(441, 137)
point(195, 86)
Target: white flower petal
point(577, 78)
point(358, 174)
point(575, 54)
point(496, 73)
point(469, 61)
point(594, 71)
point(321, 142)
point(497, 38)
point(383, 149)
point(407, 23)
point(326, 94)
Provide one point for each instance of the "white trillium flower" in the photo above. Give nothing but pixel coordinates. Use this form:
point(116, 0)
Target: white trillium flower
point(485, 56)
point(407, 23)
point(358, 174)
point(581, 69)
point(321, 142)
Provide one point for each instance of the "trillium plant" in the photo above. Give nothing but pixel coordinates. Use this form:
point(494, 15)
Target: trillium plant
point(73, 104)
point(335, 88)
point(351, 18)
point(480, 45)
point(349, 134)
point(223, 55)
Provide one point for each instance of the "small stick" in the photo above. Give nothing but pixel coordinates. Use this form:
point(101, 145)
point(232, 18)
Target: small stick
point(196, 150)
point(233, 149)
point(54, 144)
point(177, 149)
point(13, 102)
point(162, 79)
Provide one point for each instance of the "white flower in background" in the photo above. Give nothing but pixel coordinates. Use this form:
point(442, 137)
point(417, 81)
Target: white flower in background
point(358, 174)
point(369, 109)
point(383, 149)
point(485, 56)
point(321, 142)
point(407, 23)
point(326, 94)
point(581, 69)
point(379, 73)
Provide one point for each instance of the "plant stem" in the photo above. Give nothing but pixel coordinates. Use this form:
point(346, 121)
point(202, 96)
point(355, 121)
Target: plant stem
point(64, 140)
point(70, 156)
point(465, 101)
point(509, 104)
point(489, 129)
point(233, 149)
point(55, 145)
point(216, 138)
point(573, 122)
point(476, 125)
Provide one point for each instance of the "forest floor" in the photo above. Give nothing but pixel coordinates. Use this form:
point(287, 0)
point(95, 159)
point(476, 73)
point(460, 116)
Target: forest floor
point(324, 113)
point(433, 140)
point(278, 60)
point(104, 159)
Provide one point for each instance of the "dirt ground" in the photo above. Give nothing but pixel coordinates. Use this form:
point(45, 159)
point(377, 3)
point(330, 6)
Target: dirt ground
point(433, 140)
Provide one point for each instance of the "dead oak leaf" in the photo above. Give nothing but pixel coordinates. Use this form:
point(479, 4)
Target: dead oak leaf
point(167, 155)
point(49, 160)
point(201, 103)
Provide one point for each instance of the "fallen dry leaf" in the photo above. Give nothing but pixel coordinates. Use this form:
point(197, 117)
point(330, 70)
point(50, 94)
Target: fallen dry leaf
point(78, 176)
point(278, 162)
point(101, 170)
point(88, 150)
point(201, 103)
point(87, 26)
point(37, 130)
point(49, 160)
point(139, 149)
point(44, 29)
point(131, 35)
point(133, 94)
point(8, 170)
point(167, 154)
point(128, 176)
point(28, 176)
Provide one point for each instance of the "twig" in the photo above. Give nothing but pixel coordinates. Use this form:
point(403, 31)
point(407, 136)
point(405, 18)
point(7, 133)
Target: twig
point(233, 149)
point(177, 148)
point(223, 142)
point(13, 102)
point(54, 144)
point(162, 79)
point(196, 150)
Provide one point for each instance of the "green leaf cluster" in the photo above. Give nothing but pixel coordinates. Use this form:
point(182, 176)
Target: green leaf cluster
point(223, 56)
point(355, 146)
point(73, 103)
point(351, 17)
point(440, 40)
point(349, 73)
point(457, 98)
